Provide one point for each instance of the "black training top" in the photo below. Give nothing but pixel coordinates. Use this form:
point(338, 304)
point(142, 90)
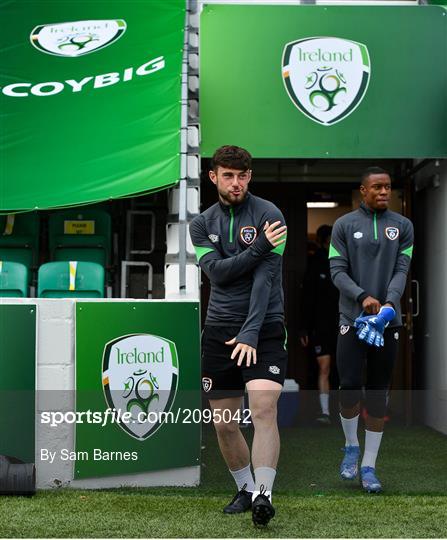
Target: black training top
point(244, 271)
point(370, 255)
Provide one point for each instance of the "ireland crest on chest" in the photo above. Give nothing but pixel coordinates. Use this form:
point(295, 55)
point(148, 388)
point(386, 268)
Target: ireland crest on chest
point(248, 234)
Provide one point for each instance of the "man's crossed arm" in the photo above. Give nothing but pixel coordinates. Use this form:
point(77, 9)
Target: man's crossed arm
point(222, 270)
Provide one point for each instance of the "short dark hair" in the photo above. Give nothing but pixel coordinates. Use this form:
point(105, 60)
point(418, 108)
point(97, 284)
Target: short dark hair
point(232, 157)
point(372, 170)
point(323, 233)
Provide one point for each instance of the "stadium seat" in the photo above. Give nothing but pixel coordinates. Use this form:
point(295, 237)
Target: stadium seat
point(71, 279)
point(13, 279)
point(19, 238)
point(83, 234)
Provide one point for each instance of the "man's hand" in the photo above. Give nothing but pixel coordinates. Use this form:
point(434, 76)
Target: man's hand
point(371, 305)
point(274, 235)
point(243, 349)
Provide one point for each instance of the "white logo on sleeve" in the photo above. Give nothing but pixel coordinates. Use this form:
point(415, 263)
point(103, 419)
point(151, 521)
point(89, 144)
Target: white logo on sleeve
point(214, 238)
point(274, 369)
point(344, 329)
point(357, 235)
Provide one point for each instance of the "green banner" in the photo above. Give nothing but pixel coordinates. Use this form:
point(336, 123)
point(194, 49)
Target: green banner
point(324, 82)
point(17, 381)
point(90, 100)
point(138, 373)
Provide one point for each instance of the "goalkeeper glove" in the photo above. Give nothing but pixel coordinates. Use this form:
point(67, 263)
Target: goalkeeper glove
point(370, 328)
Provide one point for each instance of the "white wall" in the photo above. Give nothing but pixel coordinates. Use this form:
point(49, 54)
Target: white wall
point(324, 216)
point(431, 270)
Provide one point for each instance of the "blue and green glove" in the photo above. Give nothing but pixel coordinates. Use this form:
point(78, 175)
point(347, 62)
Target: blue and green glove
point(371, 328)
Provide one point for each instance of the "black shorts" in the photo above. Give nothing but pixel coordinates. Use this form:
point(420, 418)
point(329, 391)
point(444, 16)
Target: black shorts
point(222, 377)
point(324, 343)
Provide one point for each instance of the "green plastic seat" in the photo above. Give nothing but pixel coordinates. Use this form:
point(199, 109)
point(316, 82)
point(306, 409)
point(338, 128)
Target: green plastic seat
point(54, 280)
point(13, 279)
point(23, 256)
point(82, 234)
point(19, 238)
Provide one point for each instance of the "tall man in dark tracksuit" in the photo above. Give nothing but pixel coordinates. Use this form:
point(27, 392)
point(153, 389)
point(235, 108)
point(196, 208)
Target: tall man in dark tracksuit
point(370, 256)
point(239, 243)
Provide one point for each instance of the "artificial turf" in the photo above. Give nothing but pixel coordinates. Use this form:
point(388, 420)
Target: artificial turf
point(310, 499)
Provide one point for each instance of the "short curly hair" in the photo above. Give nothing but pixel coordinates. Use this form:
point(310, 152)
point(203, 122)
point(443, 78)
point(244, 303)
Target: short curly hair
point(232, 157)
point(370, 171)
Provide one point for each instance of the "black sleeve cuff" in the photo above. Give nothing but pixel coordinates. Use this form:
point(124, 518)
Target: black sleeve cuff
point(362, 297)
point(261, 245)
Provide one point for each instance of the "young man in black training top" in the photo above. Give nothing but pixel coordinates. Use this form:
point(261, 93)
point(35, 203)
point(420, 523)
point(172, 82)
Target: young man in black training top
point(239, 243)
point(370, 256)
point(320, 316)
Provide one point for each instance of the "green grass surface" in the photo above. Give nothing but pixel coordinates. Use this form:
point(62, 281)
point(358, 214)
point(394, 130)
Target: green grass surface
point(310, 499)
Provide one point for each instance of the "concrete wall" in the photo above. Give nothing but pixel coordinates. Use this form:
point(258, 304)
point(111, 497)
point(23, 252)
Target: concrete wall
point(55, 386)
point(430, 208)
